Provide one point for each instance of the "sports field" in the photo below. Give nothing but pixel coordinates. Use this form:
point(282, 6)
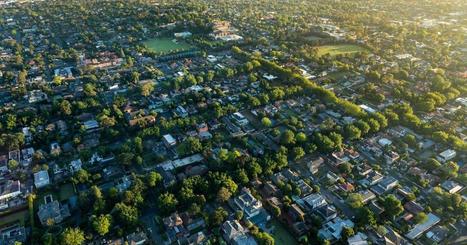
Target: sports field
point(339, 49)
point(167, 45)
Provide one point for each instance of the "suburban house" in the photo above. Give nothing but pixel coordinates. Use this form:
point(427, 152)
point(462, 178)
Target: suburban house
point(9, 189)
point(387, 184)
point(451, 186)
point(332, 230)
point(41, 179)
point(169, 140)
point(248, 203)
point(446, 155)
point(314, 201)
point(235, 234)
point(419, 229)
point(52, 212)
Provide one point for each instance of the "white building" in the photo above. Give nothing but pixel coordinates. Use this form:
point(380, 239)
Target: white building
point(451, 186)
point(10, 189)
point(239, 119)
point(419, 229)
point(333, 229)
point(169, 140)
point(41, 179)
point(248, 203)
point(184, 34)
point(75, 166)
point(26, 156)
point(234, 233)
point(446, 155)
point(314, 201)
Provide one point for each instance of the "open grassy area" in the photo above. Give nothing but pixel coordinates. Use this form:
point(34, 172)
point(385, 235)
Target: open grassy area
point(339, 49)
point(281, 235)
point(167, 45)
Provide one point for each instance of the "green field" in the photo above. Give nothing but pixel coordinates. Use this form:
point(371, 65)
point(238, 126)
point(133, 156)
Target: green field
point(167, 45)
point(339, 49)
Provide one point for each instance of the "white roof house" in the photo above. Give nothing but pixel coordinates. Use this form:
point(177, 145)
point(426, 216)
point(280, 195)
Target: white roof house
point(10, 189)
point(75, 166)
point(367, 108)
point(333, 229)
point(178, 163)
point(446, 155)
point(169, 140)
point(384, 142)
point(313, 201)
point(91, 124)
point(419, 229)
point(451, 186)
point(41, 179)
point(239, 119)
point(235, 233)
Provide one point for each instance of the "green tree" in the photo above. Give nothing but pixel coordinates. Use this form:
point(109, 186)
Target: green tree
point(72, 236)
point(345, 168)
point(217, 217)
point(146, 89)
point(392, 206)
point(298, 153)
point(421, 218)
point(300, 137)
point(355, 200)
point(266, 122)
point(223, 195)
point(167, 202)
point(126, 214)
point(449, 170)
point(366, 217)
point(13, 164)
point(153, 178)
point(65, 107)
point(190, 145)
point(431, 164)
point(352, 132)
point(89, 90)
point(287, 137)
point(102, 224)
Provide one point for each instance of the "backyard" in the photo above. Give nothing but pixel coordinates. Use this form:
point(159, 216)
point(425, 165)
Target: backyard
point(167, 45)
point(281, 235)
point(66, 191)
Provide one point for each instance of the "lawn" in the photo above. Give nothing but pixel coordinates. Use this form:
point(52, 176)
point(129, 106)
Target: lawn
point(339, 49)
point(66, 191)
point(281, 235)
point(167, 45)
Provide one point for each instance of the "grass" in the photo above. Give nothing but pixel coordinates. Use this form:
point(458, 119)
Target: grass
point(281, 235)
point(166, 45)
point(337, 49)
point(66, 191)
